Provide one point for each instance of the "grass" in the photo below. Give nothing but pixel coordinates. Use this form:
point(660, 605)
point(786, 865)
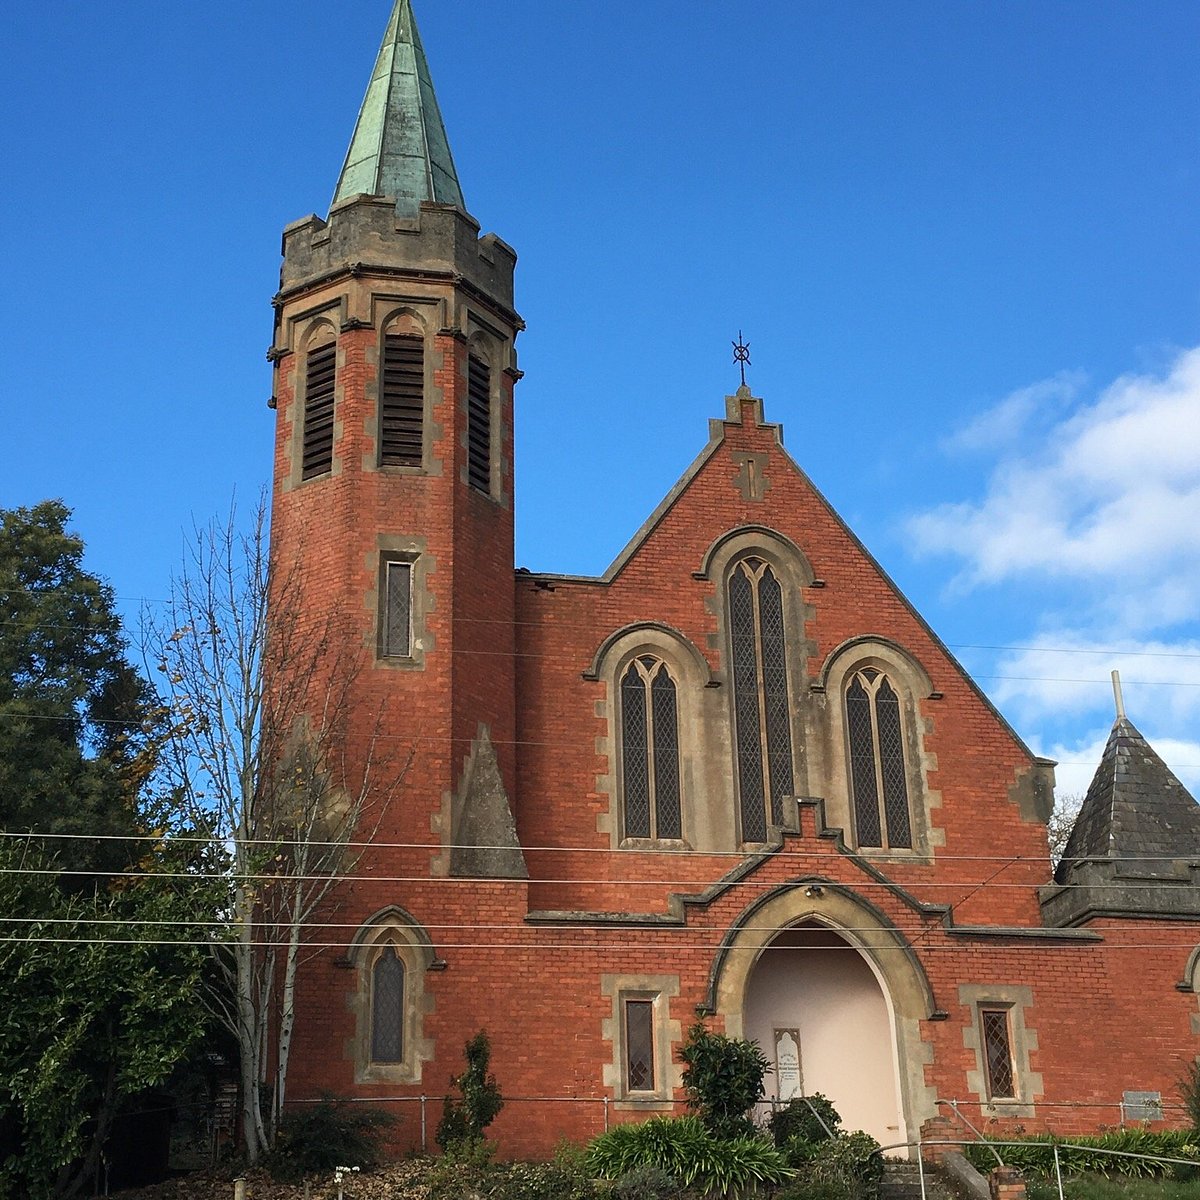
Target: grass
point(1097, 1187)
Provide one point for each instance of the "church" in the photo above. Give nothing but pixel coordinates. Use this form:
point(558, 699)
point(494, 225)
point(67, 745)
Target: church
point(737, 777)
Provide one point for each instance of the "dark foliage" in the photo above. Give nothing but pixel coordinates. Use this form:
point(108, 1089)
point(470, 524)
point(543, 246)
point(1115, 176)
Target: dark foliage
point(76, 720)
point(723, 1078)
point(331, 1133)
point(465, 1117)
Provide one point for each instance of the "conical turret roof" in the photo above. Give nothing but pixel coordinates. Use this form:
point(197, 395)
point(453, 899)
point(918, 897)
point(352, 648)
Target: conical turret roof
point(399, 147)
point(1136, 812)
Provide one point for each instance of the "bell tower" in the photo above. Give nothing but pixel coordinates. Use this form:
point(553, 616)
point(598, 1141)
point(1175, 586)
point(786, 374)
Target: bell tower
point(394, 366)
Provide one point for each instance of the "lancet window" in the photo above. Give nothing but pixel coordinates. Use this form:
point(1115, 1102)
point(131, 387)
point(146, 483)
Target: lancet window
point(878, 777)
point(387, 1007)
point(762, 717)
point(650, 750)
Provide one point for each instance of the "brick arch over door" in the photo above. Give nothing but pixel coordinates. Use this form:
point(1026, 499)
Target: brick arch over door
point(886, 951)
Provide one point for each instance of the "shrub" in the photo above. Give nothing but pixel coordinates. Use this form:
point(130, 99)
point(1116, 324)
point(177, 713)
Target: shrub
point(1036, 1154)
point(466, 1117)
point(646, 1183)
point(851, 1161)
point(806, 1189)
point(685, 1149)
point(1188, 1086)
point(534, 1181)
point(325, 1135)
point(798, 1130)
point(723, 1078)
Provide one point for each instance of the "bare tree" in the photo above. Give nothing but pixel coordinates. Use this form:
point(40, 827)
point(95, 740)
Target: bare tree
point(1061, 822)
point(260, 699)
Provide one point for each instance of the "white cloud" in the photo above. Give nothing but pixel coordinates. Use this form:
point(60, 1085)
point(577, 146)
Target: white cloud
point(1078, 760)
point(1005, 422)
point(1066, 672)
point(1110, 493)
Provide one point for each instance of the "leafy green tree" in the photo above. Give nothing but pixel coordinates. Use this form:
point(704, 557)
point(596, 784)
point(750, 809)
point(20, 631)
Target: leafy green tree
point(99, 1000)
point(465, 1117)
point(76, 720)
point(99, 979)
point(723, 1078)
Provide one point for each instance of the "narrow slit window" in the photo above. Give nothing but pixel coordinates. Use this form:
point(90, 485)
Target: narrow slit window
point(387, 1007)
point(650, 751)
point(997, 1051)
point(320, 373)
point(639, 1046)
point(479, 424)
point(761, 707)
point(402, 401)
point(878, 776)
point(396, 634)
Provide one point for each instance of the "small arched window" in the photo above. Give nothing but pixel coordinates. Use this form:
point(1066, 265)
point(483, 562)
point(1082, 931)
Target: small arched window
point(878, 778)
point(762, 717)
point(387, 1007)
point(650, 750)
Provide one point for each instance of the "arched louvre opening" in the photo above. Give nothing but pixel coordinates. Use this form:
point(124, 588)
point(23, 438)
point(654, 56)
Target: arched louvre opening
point(479, 424)
point(320, 378)
point(762, 716)
point(402, 400)
point(878, 777)
point(650, 751)
point(387, 1007)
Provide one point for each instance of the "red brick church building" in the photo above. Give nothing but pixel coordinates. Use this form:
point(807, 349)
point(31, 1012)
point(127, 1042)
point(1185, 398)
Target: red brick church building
point(736, 775)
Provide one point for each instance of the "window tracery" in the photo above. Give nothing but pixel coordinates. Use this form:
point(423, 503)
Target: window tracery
point(651, 802)
point(878, 776)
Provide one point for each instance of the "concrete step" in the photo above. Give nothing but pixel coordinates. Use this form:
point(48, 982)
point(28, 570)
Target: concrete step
point(902, 1181)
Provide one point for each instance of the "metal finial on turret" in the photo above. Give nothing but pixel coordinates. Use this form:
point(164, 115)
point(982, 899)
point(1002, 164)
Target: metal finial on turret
point(1117, 696)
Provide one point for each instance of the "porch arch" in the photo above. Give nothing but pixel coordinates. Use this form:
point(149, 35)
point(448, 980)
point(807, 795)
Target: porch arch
point(886, 951)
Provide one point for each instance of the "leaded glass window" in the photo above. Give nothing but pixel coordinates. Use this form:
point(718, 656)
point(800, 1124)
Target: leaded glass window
point(387, 1007)
point(762, 715)
point(639, 1045)
point(650, 750)
point(878, 777)
point(997, 1052)
point(396, 618)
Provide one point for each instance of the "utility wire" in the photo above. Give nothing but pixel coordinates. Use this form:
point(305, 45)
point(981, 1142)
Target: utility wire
point(893, 858)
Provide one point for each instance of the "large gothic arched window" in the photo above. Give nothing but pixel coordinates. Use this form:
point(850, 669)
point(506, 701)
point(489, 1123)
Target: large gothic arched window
point(762, 719)
point(650, 750)
point(878, 779)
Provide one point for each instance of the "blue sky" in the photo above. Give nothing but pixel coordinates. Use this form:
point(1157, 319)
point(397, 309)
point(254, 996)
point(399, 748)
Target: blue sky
point(962, 240)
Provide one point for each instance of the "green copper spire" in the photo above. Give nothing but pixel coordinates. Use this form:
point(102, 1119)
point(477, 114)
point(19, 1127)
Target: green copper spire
point(399, 146)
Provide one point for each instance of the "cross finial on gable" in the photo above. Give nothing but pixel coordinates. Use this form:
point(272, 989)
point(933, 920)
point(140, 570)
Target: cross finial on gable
point(741, 355)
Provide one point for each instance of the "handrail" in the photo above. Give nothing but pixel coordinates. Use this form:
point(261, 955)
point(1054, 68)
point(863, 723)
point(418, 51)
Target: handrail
point(967, 1122)
point(1051, 1142)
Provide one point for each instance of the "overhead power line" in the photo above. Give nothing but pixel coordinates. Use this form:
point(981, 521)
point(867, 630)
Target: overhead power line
point(910, 858)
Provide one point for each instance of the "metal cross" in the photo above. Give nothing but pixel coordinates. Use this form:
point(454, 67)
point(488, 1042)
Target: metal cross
point(741, 355)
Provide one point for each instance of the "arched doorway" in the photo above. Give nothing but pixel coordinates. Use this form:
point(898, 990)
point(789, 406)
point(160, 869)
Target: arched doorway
point(816, 1007)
